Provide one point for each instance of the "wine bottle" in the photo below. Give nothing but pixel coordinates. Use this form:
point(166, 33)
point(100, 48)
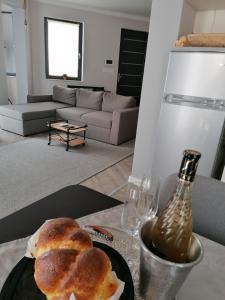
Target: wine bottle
point(172, 231)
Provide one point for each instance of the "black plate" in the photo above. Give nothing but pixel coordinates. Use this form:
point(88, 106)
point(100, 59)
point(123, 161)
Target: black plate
point(20, 284)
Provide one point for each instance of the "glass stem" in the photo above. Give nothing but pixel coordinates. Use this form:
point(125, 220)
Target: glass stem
point(132, 240)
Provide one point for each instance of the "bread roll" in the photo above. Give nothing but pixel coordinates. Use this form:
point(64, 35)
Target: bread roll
point(59, 273)
point(63, 233)
point(66, 263)
point(51, 268)
point(207, 39)
point(182, 42)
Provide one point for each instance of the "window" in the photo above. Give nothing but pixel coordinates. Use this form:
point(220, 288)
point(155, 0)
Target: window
point(63, 49)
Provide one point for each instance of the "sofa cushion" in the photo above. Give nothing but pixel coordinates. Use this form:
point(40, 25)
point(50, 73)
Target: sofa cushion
point(72, 113)
point(98, 118)
point(113, 102)
point(31, 111)
point(89, 99)
point(64, 95)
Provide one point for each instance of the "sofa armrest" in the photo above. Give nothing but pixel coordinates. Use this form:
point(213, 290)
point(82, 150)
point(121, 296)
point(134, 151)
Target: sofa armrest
point(38, 98)
point(124, 125)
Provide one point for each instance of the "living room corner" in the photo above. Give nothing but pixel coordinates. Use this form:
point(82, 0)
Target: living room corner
point(92, 100)
point(99, 100)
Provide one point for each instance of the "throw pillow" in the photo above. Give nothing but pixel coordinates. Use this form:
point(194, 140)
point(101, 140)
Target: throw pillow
point(89, 99)
point(113, 102)
point(64, 95)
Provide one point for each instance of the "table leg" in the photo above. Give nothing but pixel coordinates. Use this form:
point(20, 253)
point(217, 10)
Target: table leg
point(84, 137)
point(49, 133)
point(67, 139)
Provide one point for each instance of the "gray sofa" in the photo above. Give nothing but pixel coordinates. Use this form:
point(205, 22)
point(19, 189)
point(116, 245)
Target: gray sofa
point(110, 118)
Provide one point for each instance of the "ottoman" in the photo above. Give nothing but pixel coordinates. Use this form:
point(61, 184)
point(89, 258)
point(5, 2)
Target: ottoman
point(31, 118)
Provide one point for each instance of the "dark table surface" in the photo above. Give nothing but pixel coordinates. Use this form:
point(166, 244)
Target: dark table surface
point(73, 201)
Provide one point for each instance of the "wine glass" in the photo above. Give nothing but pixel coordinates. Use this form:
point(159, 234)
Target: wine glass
point(141, 204)
point(130, 218)
point(130, 221)
point(149, 197)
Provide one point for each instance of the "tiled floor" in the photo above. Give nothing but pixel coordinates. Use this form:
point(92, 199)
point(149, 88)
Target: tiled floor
point(112, 181)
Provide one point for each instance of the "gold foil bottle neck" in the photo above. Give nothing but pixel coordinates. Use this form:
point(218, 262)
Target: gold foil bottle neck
point(189, 165)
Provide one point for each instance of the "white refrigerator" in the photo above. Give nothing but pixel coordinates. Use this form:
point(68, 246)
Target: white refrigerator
point(193, 113)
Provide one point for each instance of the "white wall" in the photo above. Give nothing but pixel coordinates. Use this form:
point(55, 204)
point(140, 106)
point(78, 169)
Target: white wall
point(187, 19)
point(12, 88)
point(28, 47)
point(8, 43)
point(19, 33)
point(223, 176)
point(3, 83)
point(210, 21)
point(101, 41)
point(162, 34)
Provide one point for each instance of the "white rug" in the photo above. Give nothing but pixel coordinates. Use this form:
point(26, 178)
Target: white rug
point(31, 170)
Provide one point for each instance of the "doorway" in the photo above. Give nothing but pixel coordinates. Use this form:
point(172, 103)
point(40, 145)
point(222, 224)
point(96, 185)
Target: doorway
point(16, 55)
point(9, 53)
point(133, 46)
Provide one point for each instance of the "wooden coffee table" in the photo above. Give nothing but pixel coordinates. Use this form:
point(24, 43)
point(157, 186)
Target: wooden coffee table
point(65, 133)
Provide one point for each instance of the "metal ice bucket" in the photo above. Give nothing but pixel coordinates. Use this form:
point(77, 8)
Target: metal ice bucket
point(161, 279)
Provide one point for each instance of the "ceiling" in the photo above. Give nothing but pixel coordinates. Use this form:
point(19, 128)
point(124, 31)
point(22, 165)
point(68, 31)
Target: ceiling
point(207, 4)
point(132, 7)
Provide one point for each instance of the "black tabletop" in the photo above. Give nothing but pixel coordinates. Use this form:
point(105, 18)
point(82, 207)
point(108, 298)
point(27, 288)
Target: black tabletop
point(73, 201)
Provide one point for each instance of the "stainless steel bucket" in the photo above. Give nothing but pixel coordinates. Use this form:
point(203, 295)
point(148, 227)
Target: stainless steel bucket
point(161, 279)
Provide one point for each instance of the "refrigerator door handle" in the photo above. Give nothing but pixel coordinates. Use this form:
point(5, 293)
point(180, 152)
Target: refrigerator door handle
point(216, 104)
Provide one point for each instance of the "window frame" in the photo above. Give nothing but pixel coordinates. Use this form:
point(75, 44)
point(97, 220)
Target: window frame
point(80, 50)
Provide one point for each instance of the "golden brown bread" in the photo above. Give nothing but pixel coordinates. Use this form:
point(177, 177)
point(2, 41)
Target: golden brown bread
point(63, 233)
point(207, 39)
point(201, 40)
point(51, 267)
point(58, 273)
point(66, 263)
point(182, 42)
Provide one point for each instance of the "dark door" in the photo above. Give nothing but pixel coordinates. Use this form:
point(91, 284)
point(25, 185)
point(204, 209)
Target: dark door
point(133, 46)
